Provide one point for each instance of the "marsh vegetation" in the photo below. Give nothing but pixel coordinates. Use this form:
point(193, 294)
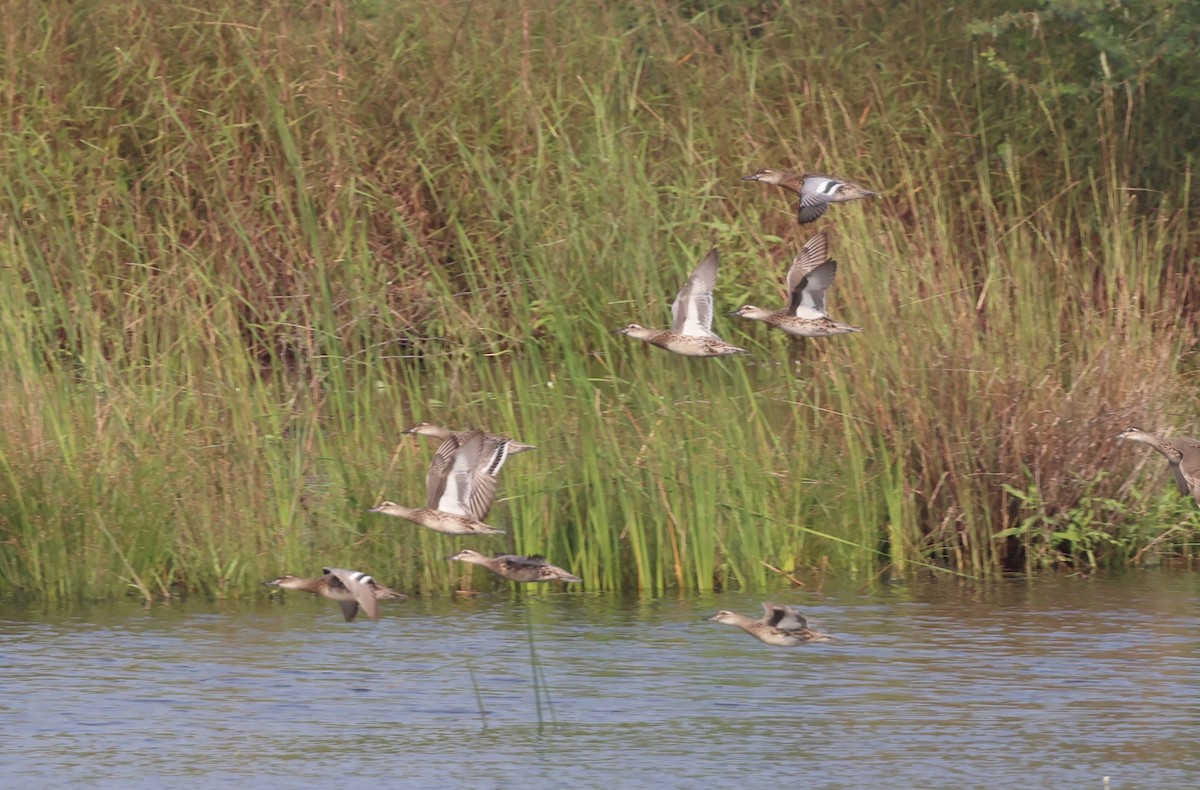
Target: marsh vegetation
point(247, 243)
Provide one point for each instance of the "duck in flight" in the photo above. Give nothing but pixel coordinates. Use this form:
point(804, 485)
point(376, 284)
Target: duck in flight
point(692, 312)
point(780, 625)
point(816, 191)
point(445, 434)
point(808, 278)
point(1182, 454)
point(352, 589)
point(516, 568)
point(460, 486)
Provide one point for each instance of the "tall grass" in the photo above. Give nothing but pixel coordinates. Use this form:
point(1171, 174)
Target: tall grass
point(247, 243)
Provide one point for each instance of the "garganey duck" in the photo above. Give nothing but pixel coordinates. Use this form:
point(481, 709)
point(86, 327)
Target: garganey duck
point(816, 191)
point(691, 330)
point(484, 492)
point(779, 625)
point(445, 434)
point(351, 589)
point(516, 568)
point(1183, 454)
point(808, 278)
point(460, 492)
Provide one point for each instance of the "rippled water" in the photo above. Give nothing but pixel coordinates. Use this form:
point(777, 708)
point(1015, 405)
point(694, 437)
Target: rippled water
point(1057, 683)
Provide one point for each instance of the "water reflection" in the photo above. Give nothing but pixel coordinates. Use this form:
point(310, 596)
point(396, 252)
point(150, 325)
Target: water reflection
point(1053, 683)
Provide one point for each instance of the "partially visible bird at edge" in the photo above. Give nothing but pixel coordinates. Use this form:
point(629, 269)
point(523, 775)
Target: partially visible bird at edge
point(1182, 454)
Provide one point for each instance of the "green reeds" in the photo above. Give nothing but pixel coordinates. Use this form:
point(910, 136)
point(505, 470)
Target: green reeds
point(246, 244)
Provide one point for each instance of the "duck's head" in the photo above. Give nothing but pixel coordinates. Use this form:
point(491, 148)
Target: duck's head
point(723, 616)
point(286, 581)
point(750, 311)
point(766, 176)
point(1134, 434)
point(468, 555)
point(388, 508)
point(630, 329)
point(426, 428)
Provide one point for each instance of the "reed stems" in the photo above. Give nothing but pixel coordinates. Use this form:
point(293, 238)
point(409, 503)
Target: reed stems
point(246, 244)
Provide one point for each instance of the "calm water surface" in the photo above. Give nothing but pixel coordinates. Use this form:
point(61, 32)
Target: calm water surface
point(1058, 683)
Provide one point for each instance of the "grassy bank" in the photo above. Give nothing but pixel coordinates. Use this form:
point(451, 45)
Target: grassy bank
point(247, 243)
